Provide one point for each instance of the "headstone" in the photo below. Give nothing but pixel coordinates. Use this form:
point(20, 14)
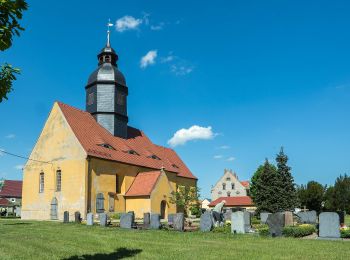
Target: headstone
point(275, 221)
point(103, 219)
point(155, 221)
point(146, 220)
point(90, 219)
point(240, 222)
point(228, 214)
point(307, 217)
point(179, 222)
point(127, 220)
point(263, 217)
point(171, 219)
point(329, 225)
point(66, 217)
point(288, 218)
point(77, 217)
point(207, 222)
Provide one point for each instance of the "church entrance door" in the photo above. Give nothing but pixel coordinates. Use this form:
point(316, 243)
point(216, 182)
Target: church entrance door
point(53, 210)
point(162, 209)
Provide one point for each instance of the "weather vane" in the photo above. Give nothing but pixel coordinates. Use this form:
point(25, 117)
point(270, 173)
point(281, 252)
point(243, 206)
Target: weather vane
point(109, 24)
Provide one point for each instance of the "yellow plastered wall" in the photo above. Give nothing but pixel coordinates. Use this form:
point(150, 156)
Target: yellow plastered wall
point(139, 205)
point(56, 144)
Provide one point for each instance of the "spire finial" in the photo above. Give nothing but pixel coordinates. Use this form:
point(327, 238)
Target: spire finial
point(109, 24)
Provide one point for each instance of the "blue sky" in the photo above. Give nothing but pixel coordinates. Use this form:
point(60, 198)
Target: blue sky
point(261, 74)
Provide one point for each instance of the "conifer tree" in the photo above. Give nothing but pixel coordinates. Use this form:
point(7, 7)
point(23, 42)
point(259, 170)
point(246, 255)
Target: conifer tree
point(287, 194)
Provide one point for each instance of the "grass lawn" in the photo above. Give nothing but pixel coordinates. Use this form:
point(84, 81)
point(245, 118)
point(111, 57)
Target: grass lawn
point(53, 240)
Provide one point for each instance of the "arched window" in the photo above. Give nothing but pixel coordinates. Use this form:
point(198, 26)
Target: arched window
point(100, 203)
point(224, 186)
point(41, 182)
point(232, 186)
point(58, 180)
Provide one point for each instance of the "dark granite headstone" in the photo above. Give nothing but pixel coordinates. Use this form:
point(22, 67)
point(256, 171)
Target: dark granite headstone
point(127, 220)
point(329, 225)
point(341, 216)
point(171, 219)
point(90, 219)
point(228, 214)
point(103, 219)
point(66, 217)
point(146, 220)
point(77, 217)
point(155, 221)
point(207, 222)
point(275, 221)
point(307, 217)
point(179, 222)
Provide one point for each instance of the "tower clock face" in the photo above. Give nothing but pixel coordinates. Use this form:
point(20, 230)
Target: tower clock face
point(120, 99)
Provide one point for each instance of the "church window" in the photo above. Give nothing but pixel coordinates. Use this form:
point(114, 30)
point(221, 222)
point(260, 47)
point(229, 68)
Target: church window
point(91, 99)
point(224, 186)
point(117, 189)
point(228, 194)
point(58, 180)
point(232, 186)
point(228, 179)
point(100, 203)
point(41, 182)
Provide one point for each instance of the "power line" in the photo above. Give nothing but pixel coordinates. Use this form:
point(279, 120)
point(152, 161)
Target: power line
point(22, 157)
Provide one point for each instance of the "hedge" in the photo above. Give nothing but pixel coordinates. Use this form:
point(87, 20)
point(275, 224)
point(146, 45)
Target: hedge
point(298, 231)
point(345, 233)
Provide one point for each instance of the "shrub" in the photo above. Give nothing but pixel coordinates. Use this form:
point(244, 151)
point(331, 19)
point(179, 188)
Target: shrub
point(345, 233)
point(255, 221)
point(262, 229)
point(115, 215)
point(226, 229)
point(299, 231)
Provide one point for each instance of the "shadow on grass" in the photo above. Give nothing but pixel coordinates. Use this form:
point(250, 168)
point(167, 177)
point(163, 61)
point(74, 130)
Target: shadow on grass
point(120, 253)
point(18, 223)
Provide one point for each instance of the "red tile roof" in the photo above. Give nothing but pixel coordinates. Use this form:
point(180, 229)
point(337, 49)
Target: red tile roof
point(143, 184)
point(233, 201)
point(4, 202)
point(90, 134)
point(245, 183)
point(11, 189)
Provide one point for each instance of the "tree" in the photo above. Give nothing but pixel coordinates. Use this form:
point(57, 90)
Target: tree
point(311, 195)
point(186, 199)
point(288, 197)
point(254, 180)
point(341, 193)
point(329, 199)
point(10, 13)
point(267, 188)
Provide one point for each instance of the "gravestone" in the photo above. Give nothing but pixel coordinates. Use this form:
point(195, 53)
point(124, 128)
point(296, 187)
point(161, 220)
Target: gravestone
point(90, 219)
point(127, 220)
point(103, 219)
point(146, 220)
point(207, 222)
point(179, 222)
point(240, 222)
point(307, 217)
point(77, 217)
point(288, 218)
point(66, 217)
point(263, 217)
point(329, 225)
point(275, 221)
point(228, 214)
point(155, 221)
point(171, 219)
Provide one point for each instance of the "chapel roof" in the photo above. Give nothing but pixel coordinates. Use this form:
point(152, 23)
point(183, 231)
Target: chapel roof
point(143, 184)
point(11, 189)
point(233, 201)
point(136, 149)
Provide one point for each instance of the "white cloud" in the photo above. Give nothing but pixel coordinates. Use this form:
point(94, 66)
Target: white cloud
point(19, 167)
point(127, 23)
point(181, 70)
point(218, 156)
point(10, 136)
point(1, 151)
point(195, 132)
point(225, 147)
point(148, 59)
point(230, 159)
point(167, 59)
point(157, 27)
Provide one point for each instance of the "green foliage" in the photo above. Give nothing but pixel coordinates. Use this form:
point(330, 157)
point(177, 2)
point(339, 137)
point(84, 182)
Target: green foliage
point(255, 221)
point(299, 231)
point(254, 180)
point(10, 13)
point(226, 229)
point(262, 229)
point(311, 195)
point(337, 197)
point(186, 199)
point(345, 233)
point(116, 215)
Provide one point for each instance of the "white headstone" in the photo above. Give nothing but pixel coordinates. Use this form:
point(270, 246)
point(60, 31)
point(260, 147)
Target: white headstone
point(329, 225)
point(89, 219)
point(240, 222)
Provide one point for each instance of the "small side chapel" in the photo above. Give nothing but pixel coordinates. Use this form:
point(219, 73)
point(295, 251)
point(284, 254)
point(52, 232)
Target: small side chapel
point(93, 161)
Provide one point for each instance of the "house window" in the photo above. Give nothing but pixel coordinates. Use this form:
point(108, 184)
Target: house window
point(41, 182)
point(224, 186)
point(100, 203)
point(228, 179)
point(232, 186)
point(58, 180)
point(117, 190)
point(228, 194)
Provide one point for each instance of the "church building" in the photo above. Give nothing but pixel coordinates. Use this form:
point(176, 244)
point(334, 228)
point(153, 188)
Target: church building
point(93, 161)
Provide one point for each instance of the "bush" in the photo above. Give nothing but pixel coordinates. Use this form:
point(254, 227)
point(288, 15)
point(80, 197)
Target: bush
point(115, 215)
point(226, 229)
point(255, 221)
point(299, 231)
point(345, 233)
point(262, 229)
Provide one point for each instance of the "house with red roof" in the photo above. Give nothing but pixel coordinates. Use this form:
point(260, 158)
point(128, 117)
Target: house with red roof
point(92, 160)
point(11, 196)
point(232, 190)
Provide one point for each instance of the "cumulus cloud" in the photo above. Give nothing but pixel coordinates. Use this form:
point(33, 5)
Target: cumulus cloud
point(230, 159)
point(218, 156)
point(127, 22)
point(157, 27)
point(19, 167)
point(181, 70)
point(10, 136)
point(148, 59)
point(195, 132)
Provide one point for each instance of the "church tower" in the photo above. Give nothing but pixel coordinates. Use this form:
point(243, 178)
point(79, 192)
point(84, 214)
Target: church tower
point(106, 93)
